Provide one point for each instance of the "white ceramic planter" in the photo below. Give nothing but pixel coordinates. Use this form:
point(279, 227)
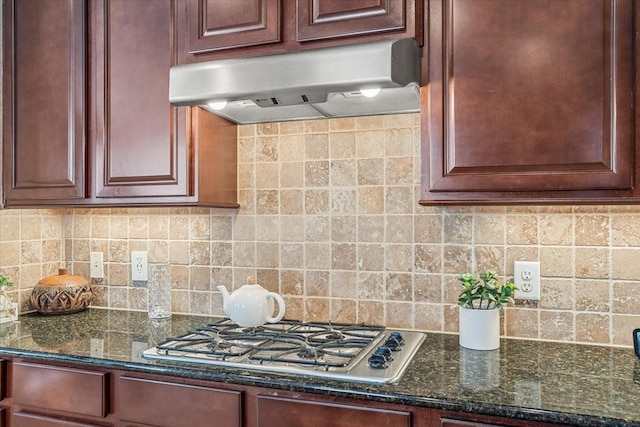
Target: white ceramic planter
point(479, 329)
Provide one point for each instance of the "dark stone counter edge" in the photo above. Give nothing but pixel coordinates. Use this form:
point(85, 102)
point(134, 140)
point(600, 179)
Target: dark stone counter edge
point(283, 382)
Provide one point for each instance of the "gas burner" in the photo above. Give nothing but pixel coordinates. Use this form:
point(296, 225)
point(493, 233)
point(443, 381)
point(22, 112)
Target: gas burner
point(354, 352)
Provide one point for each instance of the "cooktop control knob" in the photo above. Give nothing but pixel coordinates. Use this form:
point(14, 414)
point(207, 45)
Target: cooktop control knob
point(394, 341)
point(380, 358)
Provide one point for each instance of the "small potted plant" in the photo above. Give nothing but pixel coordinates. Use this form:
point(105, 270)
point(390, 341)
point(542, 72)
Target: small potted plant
point(8, 310)
point(480, 302)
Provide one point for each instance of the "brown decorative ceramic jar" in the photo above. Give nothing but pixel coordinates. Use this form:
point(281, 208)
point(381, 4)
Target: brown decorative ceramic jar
point(61, 294)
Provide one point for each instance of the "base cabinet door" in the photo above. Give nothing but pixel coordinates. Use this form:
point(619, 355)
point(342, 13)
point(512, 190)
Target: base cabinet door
point(165, 404)
point(23, 419)
point(278, 412)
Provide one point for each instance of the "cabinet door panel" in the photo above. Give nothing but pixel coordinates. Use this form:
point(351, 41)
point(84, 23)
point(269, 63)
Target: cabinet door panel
point(216, 25)
point(44, 100)
point(177, 405)
point(141, 147)
point(77, 391)
point(278, 412)
point(21, 419)
point(319, 19)
point(514, 109)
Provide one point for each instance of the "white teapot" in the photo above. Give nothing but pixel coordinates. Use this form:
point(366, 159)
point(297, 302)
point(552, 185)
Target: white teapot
point(251, 305)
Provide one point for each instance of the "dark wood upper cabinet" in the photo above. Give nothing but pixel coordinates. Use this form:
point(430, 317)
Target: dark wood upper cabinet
point(44, 108)
point(216, 25)
point(226, 29)
point(529, 102)
point(86, 114)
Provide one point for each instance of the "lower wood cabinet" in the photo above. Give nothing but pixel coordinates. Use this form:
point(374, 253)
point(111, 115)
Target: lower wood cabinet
point(166, 404)
point(64, 390)
point(22, 419)
point(278, 412)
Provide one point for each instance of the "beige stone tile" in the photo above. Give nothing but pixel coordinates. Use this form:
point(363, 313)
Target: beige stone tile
point(371, 228)
point(291, 202)
point(291, 148)
point(343, 284)
point(246, 149)
point(244, 228)
point(316, 310)
point(199, 253)
point(267, 255)
point(178, 252)
point(342, 145)
point(592, 230)
point(119, 298)
point(398, 287)
point(118, 228)
point(344, 228)
point(179, 277)
point(592, 263)
point(522, 229)
point(316, 201)
point(556, 261)
point(138, 227)
point(429, 317)
point(521, 323)
point(370, 257)
point(370, 171)
point(267, 228)
point(592, 328)
point(398, 314)
point(370, 144)
point(625, 264)
point(399, 170)
point(30, 251)
point(246, 176)
point(556, 229)
point(343, 310)
point(343, 173)
point(557, 326)
point(371, 312)
point(428, 288)
point(458, 259)
point(317, 228)
point(118, 274)
point(9, 227)
point(626, 298)
point(398, 142)
point(317, 283)
point(292, 228)
point(625, 230)
point(138, 299)
point(292, 175)
point(222, 254)
point(317, 255)
point(399, 229)
point(451, 318)
point(9, 253)
point(178, 228)
point(200, 303)
point(343, 256)
point(370, 285)
point(593, 295)
point(267, 129)
point(180, 301)
point(428, 228)
point(399, 257)
point(269, 278)
point(293, 127)
point(398, 200)
point(343, 201)
point(292, 282)
point(158, 227)
point(267, 149)
point(557, 294)
point(316, 146)
point(267, 175)
point(342, 124)
point(490, 258)
point(622, 328)
point(487, 229)
point(244, 254)
point(200, 228)
point(31, 226)
point(370, 122)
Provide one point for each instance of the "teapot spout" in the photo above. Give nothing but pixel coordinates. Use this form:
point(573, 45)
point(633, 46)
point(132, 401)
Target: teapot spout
point(225, 298)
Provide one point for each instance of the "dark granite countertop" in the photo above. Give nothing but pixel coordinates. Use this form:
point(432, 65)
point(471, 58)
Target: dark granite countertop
point(530, 380)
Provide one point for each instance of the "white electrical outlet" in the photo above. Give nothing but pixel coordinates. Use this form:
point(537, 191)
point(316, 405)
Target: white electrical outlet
point(526, 277)
point(96, 268)
point(139, 271)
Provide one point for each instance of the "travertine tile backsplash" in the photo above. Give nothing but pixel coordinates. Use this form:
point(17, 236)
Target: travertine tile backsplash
point(330, 220)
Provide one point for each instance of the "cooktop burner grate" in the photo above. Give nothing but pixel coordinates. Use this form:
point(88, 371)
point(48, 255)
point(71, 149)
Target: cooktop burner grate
point(313, 348)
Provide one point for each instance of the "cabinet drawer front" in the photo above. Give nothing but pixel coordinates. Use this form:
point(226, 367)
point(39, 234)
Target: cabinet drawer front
point(275, 412)
point(21, 419)
point(165, 404)
point(61, 389)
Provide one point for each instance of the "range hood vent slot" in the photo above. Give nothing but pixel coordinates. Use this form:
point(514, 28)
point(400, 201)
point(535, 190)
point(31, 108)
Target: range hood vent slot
point(310, 84)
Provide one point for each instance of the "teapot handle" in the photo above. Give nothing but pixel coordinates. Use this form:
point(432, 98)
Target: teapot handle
point(281, 307)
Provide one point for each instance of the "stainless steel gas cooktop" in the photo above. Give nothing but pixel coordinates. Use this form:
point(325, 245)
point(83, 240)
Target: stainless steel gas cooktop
point(350, 352)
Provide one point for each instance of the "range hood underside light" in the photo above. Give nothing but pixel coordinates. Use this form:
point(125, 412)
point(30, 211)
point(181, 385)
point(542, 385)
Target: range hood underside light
point(305, 85)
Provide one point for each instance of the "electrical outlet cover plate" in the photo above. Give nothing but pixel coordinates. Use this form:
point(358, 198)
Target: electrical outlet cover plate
point(526, 277)
point(96, 267)
point(139, 271)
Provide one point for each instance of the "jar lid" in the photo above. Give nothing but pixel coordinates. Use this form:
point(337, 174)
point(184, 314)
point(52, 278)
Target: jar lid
point(63, 279)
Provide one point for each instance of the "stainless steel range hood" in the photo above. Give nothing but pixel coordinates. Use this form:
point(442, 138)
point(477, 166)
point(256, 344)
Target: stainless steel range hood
point(310, 84)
